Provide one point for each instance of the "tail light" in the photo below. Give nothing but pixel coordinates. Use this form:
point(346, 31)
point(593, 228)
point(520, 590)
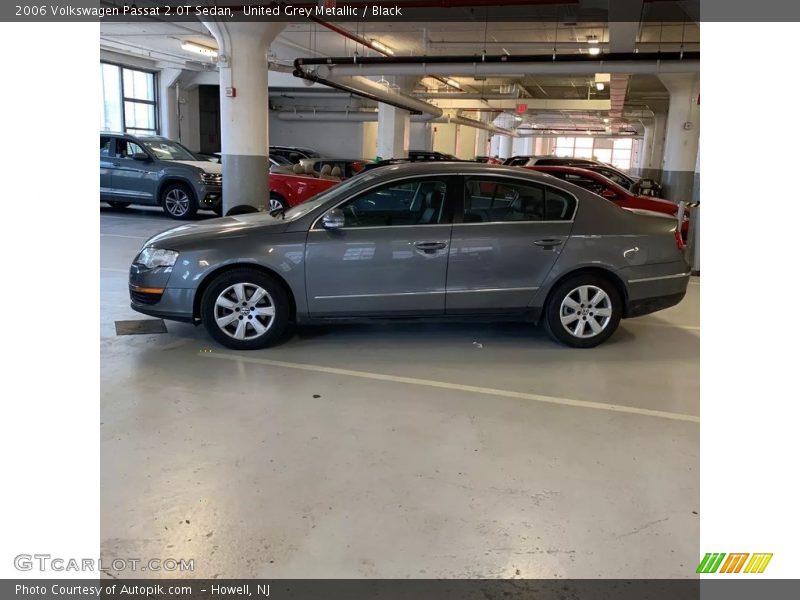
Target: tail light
point(679, 227)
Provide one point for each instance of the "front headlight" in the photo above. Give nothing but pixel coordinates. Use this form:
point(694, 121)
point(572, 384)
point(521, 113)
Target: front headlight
point(156, 257)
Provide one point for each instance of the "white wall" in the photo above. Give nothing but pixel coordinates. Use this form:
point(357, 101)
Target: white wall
point(369, 146)
point(465, 142)
point(190, 118)
point(444, 138)
point(337, 139)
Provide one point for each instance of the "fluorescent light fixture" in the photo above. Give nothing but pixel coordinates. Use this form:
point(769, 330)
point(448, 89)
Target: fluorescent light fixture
point(601, 86)
point(594, 50)
point(605, 120)
point(453, 83)
point(382, 47)
point(204, 50)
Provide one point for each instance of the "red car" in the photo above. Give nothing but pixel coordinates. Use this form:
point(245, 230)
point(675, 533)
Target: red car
point(286, 190)
point(602, 186)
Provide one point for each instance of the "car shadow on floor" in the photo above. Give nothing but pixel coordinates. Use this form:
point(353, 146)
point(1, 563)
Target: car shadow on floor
point(631, 343)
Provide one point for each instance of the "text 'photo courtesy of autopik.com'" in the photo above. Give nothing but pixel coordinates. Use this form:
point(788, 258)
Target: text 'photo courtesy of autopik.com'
point(397, 300)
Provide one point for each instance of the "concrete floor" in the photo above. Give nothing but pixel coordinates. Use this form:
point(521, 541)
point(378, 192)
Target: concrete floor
point(356, 451)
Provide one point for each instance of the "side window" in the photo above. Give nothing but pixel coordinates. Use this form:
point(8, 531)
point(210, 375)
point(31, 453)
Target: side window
point(487, 201)
point(518, 162)
point(419, 202)
point(105, 145)
point(126, 149)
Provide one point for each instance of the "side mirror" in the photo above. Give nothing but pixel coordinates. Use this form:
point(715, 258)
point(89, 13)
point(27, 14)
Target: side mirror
point(141, 156)
point(608, 194)
point(333, 219)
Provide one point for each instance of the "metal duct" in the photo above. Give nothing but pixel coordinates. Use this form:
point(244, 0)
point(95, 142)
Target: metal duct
point(368, 117)
point(471, 66)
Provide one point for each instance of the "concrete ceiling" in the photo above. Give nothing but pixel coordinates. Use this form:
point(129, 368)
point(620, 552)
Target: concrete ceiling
point(161, 43)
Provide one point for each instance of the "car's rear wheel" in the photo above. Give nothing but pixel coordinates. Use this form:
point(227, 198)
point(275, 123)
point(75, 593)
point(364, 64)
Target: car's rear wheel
point(119, 205)
point(583, 311)
point(178, 201)
point(277, 202)
point(245, 309)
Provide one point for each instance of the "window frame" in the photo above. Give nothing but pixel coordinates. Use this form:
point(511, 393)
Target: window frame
point(458, 216)
point(155, 102)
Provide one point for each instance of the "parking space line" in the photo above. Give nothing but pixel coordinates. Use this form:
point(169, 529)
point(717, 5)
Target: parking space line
point(130, 237)
point(619, 408)
point(670, 325)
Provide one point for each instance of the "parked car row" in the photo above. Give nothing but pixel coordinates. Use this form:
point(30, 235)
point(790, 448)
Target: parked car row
point(155, 171)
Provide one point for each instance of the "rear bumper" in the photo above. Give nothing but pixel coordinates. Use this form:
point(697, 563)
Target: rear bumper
point(645, 306)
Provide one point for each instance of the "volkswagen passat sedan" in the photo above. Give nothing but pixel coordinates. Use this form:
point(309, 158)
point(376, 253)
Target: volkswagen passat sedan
point(423, 240)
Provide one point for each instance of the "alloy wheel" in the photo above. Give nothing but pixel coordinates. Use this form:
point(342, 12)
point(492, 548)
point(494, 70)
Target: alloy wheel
point(275, 204)
point(586, 311)
point(177, 202)
point(244, 311)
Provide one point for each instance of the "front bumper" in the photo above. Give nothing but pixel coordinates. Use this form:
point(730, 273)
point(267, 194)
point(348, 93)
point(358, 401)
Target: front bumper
point(210, 196)
point(151, 296)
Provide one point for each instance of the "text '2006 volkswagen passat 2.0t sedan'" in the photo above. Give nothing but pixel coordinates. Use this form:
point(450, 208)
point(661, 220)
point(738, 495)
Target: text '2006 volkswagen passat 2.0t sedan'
point(422, 240)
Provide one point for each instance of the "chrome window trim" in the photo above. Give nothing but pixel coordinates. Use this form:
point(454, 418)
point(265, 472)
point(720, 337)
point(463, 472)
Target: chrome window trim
point(660, 277)
point(369, 189)
point(530, 182)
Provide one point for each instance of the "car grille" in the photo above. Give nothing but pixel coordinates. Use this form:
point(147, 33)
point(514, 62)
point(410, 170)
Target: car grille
point(212, 178)
point(144, 297)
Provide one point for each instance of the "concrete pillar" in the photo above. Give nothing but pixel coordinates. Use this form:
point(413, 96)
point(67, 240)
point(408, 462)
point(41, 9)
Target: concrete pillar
point(652, 152)
point(421, 136)
point(244, 110)
point(168, 103)
point(682, 135)
point(393, 131)
point(482, 135)
point(694, 225)
point(505, 146)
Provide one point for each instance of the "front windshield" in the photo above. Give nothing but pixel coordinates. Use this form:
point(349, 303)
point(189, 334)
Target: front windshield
point(167, 150)
point(316, 201)
point(280, 160)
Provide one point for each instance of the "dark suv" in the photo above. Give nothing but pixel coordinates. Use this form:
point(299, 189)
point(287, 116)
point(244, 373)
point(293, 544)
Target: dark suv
point(155, 171)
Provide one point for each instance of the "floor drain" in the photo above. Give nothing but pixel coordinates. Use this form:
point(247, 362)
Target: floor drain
point(140, 327)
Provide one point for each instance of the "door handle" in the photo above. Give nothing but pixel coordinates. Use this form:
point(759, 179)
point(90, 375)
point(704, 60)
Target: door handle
point(430, 246)
point(549, 243)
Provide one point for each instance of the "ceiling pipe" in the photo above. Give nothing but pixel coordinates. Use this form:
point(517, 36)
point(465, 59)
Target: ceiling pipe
point(360, 40)
point(471, 66)
point(368, 117)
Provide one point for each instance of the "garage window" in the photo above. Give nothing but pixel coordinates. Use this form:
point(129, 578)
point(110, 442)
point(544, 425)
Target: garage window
point(128, 100)
point(492, 201)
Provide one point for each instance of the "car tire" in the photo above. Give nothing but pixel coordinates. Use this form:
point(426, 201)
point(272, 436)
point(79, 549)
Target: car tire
point(178, 201)
point(583, 311)
point(118, 205)
point(276, 201)
point(231, 318)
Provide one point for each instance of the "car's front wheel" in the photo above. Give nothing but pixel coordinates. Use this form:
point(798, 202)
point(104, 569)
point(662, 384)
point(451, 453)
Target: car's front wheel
point(245, 309)
point(179, 201)
point(583, 311)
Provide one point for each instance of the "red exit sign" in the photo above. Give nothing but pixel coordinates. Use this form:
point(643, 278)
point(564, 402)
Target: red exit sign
point(522, 108)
